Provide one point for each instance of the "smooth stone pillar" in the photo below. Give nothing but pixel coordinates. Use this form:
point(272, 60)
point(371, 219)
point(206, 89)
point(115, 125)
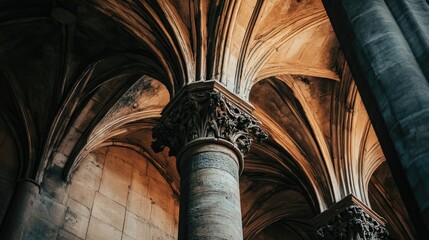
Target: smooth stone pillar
point(413, 19)
point(210, 196)
point(20, 210)
point(386, 47)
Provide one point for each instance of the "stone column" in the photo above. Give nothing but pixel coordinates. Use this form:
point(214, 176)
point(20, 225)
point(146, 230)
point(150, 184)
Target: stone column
point(386, 44)
point(209, 130)
point(350, 219)
point(19, 210)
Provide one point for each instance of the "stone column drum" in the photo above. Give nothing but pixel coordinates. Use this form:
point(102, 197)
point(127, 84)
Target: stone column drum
point(209, 130)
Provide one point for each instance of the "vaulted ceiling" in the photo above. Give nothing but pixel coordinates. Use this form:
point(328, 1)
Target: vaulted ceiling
point(79, 75)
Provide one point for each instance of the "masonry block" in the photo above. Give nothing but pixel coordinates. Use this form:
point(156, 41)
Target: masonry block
point(82, 194)
point(99, 230)
point(108, 211)
point(139, 205)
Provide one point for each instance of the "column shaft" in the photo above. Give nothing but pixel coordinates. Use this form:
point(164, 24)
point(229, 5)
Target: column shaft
point(20, 210)
point(209, 130)
point(394, 89)
point(413, 19)
point(210, 197)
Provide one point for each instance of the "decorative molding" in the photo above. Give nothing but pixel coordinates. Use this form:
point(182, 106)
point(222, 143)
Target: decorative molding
point(206, 109)
point(350, 219)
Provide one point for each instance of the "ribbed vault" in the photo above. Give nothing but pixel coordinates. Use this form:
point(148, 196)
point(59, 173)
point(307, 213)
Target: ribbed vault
point(76, 76)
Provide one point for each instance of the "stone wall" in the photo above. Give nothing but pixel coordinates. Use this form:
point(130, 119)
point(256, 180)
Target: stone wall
point(115, 194)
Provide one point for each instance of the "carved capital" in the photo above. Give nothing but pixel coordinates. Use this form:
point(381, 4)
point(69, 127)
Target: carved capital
point(203, 110)
point(350, 219)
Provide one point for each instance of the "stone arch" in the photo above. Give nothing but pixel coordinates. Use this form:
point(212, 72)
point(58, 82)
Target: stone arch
point(96, 89)
point(133, 104)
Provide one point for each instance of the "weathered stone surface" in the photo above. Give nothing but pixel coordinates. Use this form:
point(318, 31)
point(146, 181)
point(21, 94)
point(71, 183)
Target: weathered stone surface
point(50, 210)
point(100, 230)
point(90, 211)
point(206, 110)
point(77, 218)
point(82, 194)
point(118, 167)
point(153, 173)
point(209, 130)
point(19, 216)
point(126, 237)
point(160, 219)
point(350, 219)
point(114, 188)
point(74, 78)
point(413, 20)
point(76, 222)
point(74, 82)
point(53, 186)
point(386, 61)
point(65, 235)
point(210, 198)
point(141, 166)
point(131, 225)
point(139, 204)
point(353, 223)
point(89, 174)
point(140, 183)
point(40, 229)
point(137, 227)
point(161, 196)
point(108, 211)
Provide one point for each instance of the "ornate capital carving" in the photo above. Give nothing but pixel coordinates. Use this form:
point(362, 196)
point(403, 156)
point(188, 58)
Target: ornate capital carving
point(204, 110)
point(350, 219)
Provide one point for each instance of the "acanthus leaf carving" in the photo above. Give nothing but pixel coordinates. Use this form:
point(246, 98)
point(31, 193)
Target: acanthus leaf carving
point(353, 223)
point(203, 114)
